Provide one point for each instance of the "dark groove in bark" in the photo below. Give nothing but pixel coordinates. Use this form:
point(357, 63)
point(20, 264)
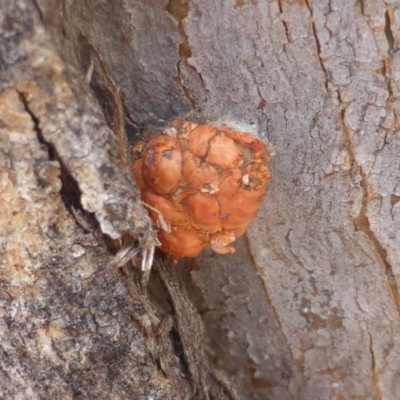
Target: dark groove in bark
point(70, 193)
point(388, 31)
point(318, 45)
point(374, 371)
point(361, 222)
point(283, 21)
point(178, 10)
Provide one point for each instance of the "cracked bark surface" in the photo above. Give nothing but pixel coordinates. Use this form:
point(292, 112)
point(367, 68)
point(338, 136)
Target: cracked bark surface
point(308, 307)
point(72, 324)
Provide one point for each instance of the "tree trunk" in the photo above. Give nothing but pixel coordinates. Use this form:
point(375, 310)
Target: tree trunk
point(307, 308)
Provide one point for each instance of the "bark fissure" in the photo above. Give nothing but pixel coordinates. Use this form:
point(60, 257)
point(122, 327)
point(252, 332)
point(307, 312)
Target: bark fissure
point(268, 300)
point(289, 244)
point(39, 11)
point(70, 193)
point(283, 21)
point(34, 119)
point(361, 222)
point(374, 371)
point(387, 68)
point(394, 199)
point(179, 9)
point(190, 329)
point(318, 45)
point(361, 5)
point(117, 118)
point(388, 30)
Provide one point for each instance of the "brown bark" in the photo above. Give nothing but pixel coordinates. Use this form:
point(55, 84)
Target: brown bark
point(73, 325)
point(308, 306)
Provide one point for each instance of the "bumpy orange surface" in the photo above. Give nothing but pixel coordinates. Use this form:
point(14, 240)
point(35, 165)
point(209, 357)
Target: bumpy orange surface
point(207, 182)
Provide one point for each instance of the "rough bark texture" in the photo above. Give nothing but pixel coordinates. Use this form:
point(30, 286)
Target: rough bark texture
point(72, 325)
point(308, 307)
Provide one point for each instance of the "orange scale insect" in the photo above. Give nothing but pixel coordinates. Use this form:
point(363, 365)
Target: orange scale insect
point(162, 165)
point(224, 152)
point(220, 242)
point(245, 139)
point(199, 139)
point(230, 183)
point(203, 211)
point(169, 209)
point(199, 175)
point(182, 243)
point(206, 183)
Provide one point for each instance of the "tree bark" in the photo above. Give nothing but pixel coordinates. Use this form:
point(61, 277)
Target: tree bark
point(307, 308)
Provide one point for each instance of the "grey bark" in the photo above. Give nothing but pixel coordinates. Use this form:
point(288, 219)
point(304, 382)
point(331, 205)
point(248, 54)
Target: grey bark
point(308, 307)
